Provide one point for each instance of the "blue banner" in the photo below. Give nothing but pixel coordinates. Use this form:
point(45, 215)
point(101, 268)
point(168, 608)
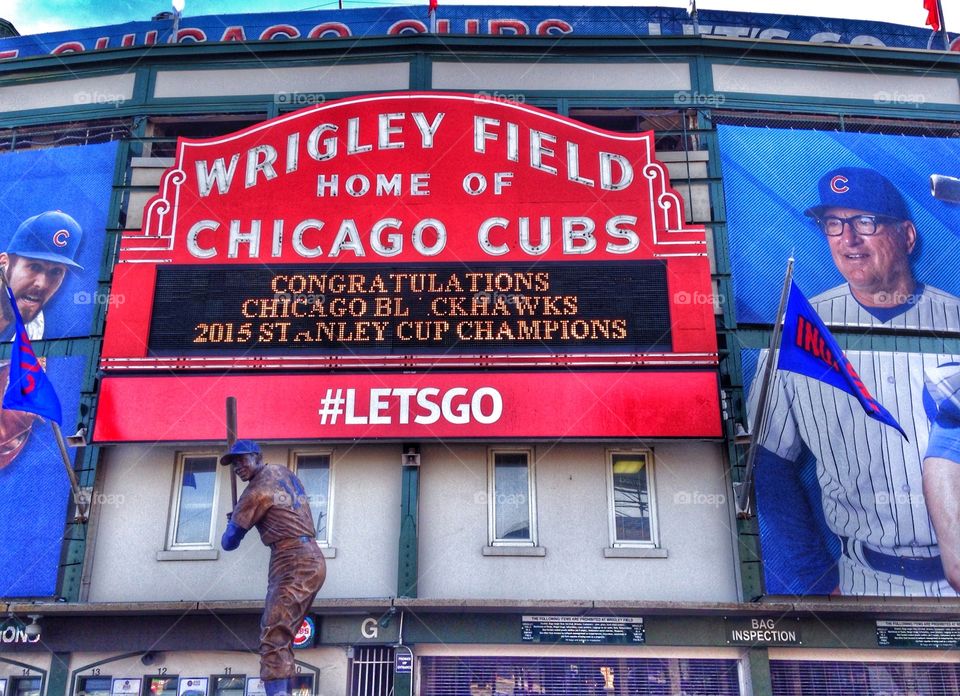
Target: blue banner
point(632, 22)
point(29, 389)
point(55, 205)
point(34, 488)
point(808, 348)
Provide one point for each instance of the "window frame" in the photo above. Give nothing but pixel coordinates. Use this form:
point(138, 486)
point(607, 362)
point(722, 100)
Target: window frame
point(654, 542)
point(214, 690)
point(80, 685)
point(492, 539)
point(294, 466)
point(175, 495)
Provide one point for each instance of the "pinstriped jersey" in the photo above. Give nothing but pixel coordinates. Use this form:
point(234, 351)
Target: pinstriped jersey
point(928, 309)
point(870, 477)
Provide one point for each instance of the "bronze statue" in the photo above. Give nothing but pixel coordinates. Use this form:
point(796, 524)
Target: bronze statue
point(276, 503)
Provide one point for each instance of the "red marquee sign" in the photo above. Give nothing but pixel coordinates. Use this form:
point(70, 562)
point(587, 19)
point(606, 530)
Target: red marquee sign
point(494, 405)
point(408, 231)
point(386, 229)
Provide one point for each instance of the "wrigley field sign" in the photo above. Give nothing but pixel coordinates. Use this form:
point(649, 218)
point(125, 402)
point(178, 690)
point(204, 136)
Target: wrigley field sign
point(403, 225)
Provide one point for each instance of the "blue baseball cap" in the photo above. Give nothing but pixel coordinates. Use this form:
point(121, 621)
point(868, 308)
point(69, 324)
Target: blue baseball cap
point(240, 447)
point(859, 189)
point(50, 236)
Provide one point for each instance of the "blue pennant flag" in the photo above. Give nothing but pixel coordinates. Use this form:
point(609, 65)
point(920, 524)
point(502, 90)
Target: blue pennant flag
point(808, 348)
point(29, 388)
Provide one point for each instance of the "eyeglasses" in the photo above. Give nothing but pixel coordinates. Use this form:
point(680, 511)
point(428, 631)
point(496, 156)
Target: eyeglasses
point(864, 225)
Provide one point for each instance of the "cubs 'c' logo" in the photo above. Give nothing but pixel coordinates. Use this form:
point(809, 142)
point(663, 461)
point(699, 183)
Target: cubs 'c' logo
point(60, 237)
point(838, 184)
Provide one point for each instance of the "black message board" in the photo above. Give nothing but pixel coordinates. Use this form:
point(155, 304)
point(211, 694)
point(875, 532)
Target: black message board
point(604, 630)
point(409, 309)
point(941, 635)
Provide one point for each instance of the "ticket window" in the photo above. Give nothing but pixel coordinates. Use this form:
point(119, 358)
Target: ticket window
point(24, 686)
point(228, 685)
point(302, 685)
point(93, 686)
point(160, 685)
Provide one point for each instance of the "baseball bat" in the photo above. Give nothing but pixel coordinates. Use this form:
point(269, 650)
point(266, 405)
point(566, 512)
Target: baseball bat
point(232, 438)
point(945, 188)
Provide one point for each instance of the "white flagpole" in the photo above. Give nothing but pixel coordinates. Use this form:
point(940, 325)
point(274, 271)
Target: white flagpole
point(759, 425)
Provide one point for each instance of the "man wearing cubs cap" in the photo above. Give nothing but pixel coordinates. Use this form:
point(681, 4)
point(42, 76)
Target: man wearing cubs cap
point(868, 481)
point(871, 236)
point(35, 264)
point(275, 502)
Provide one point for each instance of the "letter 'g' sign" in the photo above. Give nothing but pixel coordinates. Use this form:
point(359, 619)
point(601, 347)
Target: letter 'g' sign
point(369, 628)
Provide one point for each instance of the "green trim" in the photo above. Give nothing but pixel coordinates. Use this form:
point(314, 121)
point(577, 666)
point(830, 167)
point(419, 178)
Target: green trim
point(758, 662)
point(408, 548)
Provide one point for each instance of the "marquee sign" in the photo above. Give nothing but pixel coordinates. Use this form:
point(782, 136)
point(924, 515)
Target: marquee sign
point(407, 228)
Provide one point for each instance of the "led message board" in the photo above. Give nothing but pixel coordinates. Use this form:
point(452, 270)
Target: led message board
point(403, 309)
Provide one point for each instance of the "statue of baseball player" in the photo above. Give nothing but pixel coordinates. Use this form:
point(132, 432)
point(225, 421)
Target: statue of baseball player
point(275, 502)
point(827, 474)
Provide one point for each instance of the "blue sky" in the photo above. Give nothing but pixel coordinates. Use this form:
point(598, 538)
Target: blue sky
point(37, 16)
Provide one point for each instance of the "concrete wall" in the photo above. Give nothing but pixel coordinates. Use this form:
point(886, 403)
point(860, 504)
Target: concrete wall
point(692, 511)
point(132, 530)
point(572, 516)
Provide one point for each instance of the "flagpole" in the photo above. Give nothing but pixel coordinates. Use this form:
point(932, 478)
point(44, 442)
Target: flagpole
point(79, 501)
point(78, 498)
point(943, 27)
point(744, 487)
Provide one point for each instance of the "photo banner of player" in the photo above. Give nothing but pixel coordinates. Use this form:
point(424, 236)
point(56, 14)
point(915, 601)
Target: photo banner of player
point(55, 204)
point(839, 495)
point(34, 488)
point(767, 220)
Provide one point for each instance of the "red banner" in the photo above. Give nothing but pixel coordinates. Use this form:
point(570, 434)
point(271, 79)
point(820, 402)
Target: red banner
point(422, 406)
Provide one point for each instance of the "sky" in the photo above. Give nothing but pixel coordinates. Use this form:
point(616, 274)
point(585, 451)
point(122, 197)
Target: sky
point(38, 16)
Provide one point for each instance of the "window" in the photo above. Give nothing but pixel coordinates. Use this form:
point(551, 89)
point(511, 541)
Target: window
point(194, 500)
point(229, 685)
point(165, 685)
point(25, 686)
point(511, 509)
point(313, 470)
point(301, 685)
point(93, 686)
point(163, 131)
point(630, 488)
